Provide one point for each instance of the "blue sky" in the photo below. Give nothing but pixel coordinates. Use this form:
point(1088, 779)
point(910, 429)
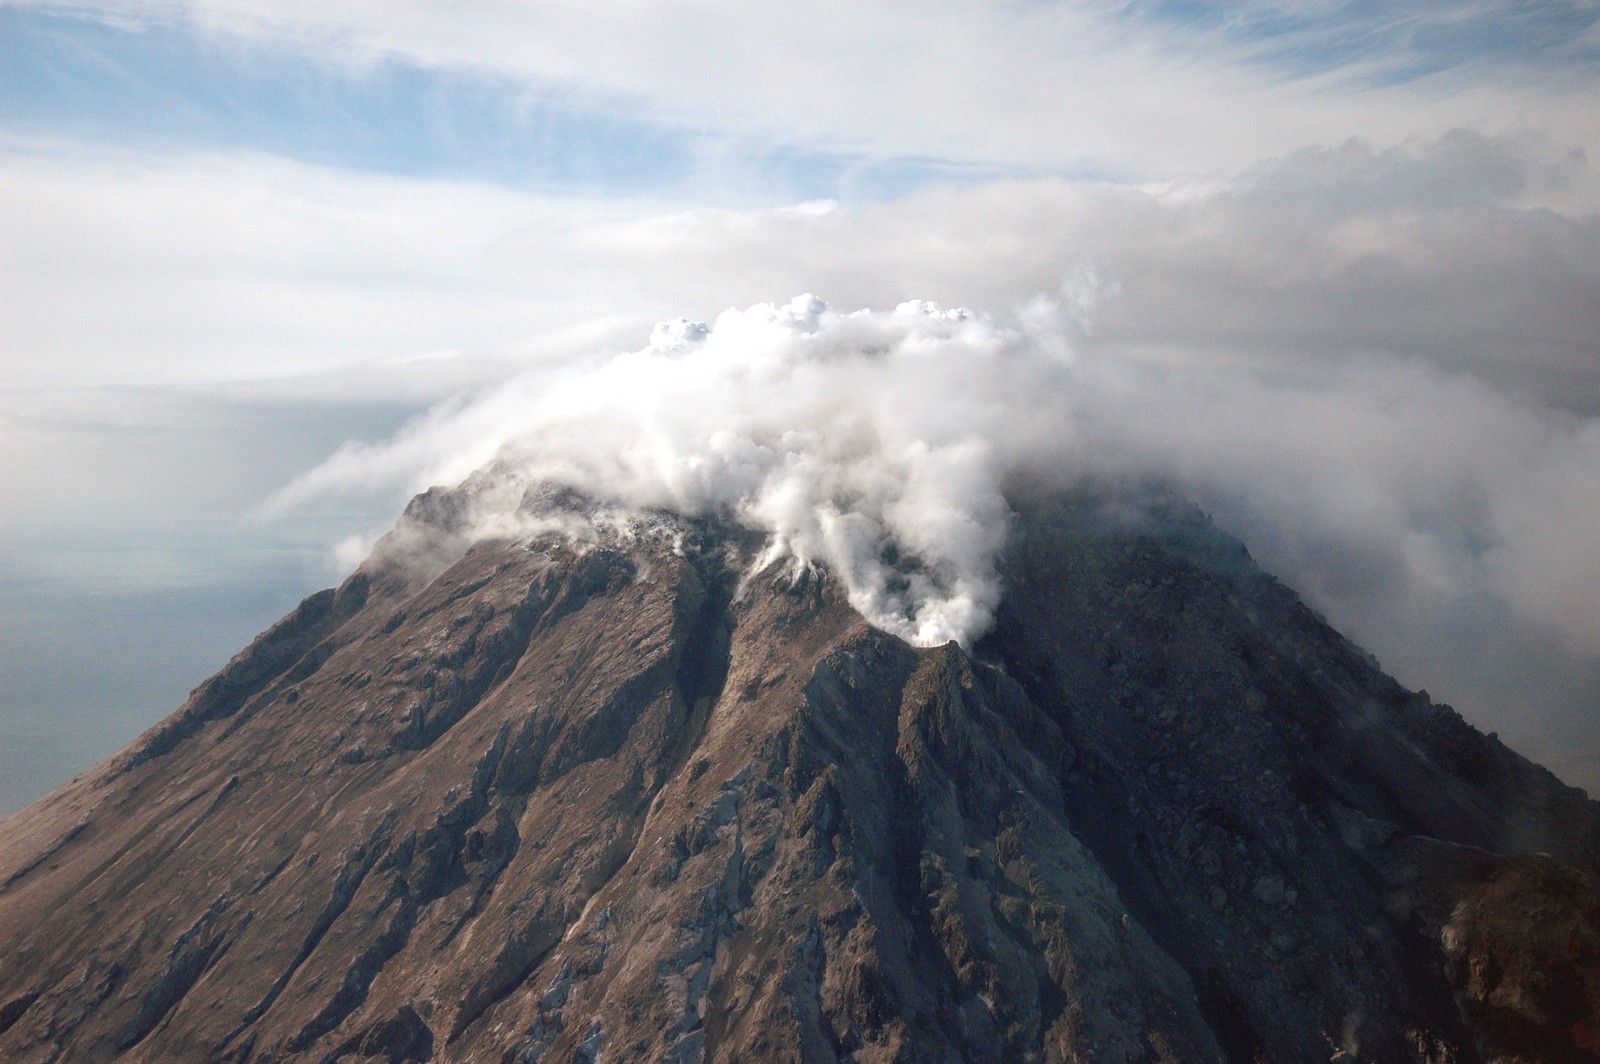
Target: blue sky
point(236, 235)
point(331, 92)
point(166, 85)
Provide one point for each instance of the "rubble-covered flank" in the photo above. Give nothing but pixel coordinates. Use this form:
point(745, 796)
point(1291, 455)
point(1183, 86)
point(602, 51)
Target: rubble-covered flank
point(617, 799)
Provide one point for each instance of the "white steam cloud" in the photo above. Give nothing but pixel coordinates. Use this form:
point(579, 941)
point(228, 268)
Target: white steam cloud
point(874, 443)
point(881, 444)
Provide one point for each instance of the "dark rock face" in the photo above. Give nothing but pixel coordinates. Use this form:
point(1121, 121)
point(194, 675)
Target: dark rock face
point(629, 802)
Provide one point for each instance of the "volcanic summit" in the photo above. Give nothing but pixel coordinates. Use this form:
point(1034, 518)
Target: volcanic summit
point(619, 790)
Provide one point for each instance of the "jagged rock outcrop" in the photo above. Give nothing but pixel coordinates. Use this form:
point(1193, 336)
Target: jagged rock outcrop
point(624, 799)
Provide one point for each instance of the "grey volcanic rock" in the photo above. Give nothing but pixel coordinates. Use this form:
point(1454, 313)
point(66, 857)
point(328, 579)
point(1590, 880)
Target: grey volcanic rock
point(623, 799)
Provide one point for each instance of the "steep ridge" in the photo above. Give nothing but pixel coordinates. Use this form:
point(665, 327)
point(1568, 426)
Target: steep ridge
point(623, 798)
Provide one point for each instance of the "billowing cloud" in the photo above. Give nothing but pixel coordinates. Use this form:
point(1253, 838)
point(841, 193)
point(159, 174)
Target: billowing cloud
point(849, 438)
point(853, 436)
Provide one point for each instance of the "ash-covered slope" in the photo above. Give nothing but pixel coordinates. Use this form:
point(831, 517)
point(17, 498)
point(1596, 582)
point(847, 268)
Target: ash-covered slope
point(627, 801)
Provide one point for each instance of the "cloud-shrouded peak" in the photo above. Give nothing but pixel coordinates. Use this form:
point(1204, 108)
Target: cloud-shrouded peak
point(882, 444)
point(874, 443)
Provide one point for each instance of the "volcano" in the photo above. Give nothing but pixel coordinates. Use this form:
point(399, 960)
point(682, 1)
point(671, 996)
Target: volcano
point(630, 795)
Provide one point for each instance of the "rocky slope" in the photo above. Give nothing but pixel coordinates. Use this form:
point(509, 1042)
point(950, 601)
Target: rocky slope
point(627, 801)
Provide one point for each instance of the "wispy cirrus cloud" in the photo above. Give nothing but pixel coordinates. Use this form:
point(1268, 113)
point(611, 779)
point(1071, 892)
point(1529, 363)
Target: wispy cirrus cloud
point(1385, 44)
point(663, 93)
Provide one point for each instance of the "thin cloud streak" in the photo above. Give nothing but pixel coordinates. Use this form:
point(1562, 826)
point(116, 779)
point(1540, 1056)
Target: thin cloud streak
point(126, 268)
point(1387, 44)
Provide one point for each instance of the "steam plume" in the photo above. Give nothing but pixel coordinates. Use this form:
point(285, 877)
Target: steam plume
point(882, 444)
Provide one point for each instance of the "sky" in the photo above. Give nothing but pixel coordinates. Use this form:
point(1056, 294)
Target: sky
point(266, 269)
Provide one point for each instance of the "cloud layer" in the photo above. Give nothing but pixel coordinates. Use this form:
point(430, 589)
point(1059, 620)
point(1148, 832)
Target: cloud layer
point(1478, 254)
point(857, 437)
